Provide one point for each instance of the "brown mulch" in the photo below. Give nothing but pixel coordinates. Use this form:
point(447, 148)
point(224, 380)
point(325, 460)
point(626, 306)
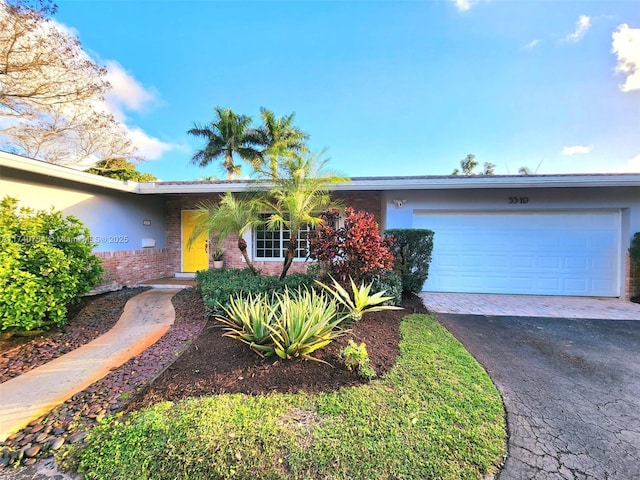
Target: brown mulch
point(215, 364)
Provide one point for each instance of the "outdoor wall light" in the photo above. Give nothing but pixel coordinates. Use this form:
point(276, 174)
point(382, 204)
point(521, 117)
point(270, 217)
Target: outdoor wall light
point(399, 203)
point(146, 223)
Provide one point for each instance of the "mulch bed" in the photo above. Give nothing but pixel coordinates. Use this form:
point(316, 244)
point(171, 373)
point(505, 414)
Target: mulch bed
point(215, 364)
point(206, 364)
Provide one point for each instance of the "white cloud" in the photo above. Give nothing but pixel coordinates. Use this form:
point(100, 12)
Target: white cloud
point(149, 147)
point(582, 25)
point(633, 165)
point(126, 92)
point(577, 150)
point(532, 44)
point(626, 46)
point(464, 5)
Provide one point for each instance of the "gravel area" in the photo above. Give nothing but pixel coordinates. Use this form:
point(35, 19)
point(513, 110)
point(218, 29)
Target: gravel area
point(96, 316)
point(69, 422)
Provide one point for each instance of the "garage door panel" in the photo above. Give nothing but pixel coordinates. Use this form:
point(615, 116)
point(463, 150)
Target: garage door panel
point(550, 253)
point(576, 263)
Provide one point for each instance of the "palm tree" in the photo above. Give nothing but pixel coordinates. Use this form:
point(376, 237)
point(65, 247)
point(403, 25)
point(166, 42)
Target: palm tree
point(299, 193)
point(231, 215)
point(227, 135)
point(280, 138)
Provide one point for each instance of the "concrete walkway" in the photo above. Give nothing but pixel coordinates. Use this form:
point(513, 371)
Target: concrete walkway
point(145, 319)
point(530, 306)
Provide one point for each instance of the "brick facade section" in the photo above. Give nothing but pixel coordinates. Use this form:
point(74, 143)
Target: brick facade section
point(175, 204)
point(362, 201)
point(632, 279)
point(131, 267)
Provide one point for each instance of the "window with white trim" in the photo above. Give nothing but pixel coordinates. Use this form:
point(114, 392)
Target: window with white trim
point(273, 243)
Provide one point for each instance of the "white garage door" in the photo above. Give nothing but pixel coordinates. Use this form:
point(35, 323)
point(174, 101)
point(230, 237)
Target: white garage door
point(542, 253)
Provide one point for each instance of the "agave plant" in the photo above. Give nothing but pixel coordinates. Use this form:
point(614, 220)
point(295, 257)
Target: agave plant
point(289, 325)
point(307, 320)
point(360, 301)
point(247, 319)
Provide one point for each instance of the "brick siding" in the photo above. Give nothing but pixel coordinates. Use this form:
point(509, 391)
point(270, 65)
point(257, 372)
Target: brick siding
point(632, 280)
point(131, 267)
point(175, 204)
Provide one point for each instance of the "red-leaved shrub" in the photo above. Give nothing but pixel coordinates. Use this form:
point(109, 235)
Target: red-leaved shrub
point(356, 250)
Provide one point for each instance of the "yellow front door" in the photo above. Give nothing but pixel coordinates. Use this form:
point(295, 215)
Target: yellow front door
point(195, 256)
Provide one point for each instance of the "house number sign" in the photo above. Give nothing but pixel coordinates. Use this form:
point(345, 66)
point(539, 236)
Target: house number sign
point(518, 200)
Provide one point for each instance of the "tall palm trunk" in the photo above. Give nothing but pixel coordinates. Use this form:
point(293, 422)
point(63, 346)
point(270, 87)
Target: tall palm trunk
point(290, 255)
point(242, 246)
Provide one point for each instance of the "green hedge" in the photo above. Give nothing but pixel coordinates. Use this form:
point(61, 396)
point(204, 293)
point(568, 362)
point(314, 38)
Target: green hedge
point(218, 285)
point(412, 251)
point(634, 253)
point(45, 264)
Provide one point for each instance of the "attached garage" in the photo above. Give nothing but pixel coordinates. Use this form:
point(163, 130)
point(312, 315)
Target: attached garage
point(575, 252)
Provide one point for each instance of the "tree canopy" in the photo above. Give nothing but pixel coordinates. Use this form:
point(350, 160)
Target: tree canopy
point(120, 169)
point(231, 136)
point(51, 92)
point(228, 134)
point(468, 165)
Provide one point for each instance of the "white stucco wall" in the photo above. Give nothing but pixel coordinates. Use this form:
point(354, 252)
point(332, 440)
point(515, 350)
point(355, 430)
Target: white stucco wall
point(623, 199)
point(627, 199)
point(116, 219)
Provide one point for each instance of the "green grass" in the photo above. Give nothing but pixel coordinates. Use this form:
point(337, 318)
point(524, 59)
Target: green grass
point(436, 414)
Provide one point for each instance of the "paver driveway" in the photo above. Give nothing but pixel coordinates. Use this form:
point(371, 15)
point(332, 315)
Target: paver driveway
point(571, 388)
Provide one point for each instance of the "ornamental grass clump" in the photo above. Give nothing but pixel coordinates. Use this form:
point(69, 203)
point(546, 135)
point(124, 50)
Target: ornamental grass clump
point(360, 300)
point(248, 318)
point(291, 324)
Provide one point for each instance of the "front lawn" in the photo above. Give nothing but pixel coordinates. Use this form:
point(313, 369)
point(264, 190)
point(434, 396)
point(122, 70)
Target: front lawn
point(436, 414)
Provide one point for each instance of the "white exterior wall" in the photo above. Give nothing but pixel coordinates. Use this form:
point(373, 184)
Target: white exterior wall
point(115, 219)
point(626, 200)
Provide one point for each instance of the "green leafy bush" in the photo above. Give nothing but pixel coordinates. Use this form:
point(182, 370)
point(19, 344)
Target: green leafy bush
point(218, 286)
point(356, 357)
point(288, 324)
point(45, 264)
point(412, 249)
point(634, 253)
point(391, 284)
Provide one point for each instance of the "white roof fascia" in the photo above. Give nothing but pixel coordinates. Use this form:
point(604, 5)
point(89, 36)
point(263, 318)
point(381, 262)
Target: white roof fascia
point(18, 162)
point(420, 183)
point(481, 182)
point(38, 167)
point(205, 187)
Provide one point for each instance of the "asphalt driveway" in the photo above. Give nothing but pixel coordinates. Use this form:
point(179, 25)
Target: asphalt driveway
point(571, 388)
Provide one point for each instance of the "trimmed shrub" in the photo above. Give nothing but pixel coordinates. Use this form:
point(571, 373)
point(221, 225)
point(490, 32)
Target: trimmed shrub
point(634, 254)
point(45, 264)
point(391, 283)
point(412, 249)
point(217, 286)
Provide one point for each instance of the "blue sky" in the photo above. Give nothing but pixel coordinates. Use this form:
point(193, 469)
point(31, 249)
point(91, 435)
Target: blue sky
point(389, 88)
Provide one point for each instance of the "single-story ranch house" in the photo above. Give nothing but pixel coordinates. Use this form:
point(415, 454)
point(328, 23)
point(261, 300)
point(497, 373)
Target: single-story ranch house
point(540, 234)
